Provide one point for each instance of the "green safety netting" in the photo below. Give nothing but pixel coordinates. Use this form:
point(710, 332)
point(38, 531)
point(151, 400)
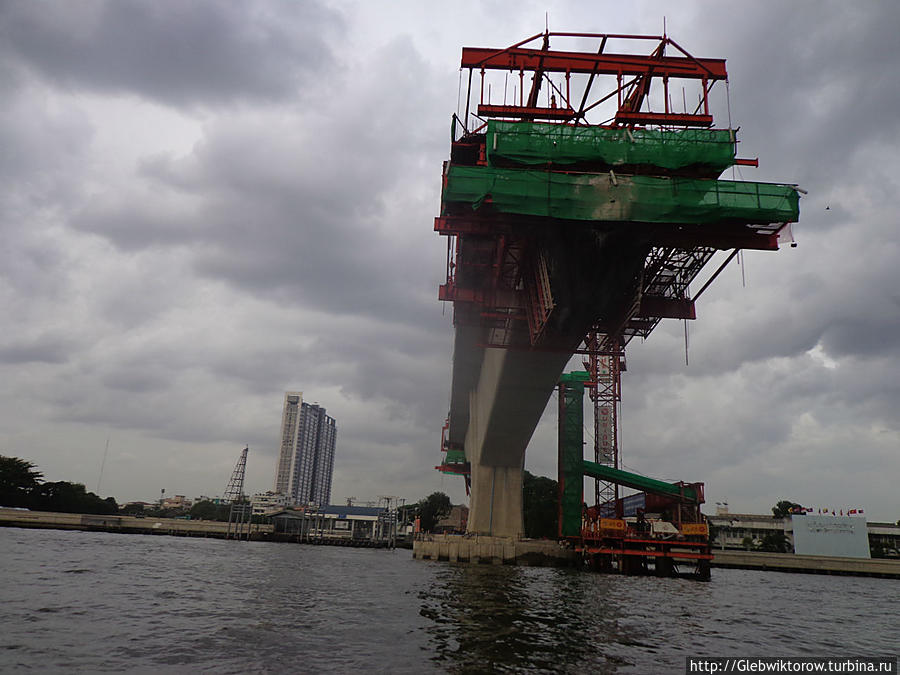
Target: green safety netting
point(536, 143)
point(455, 457)
point(625, 198)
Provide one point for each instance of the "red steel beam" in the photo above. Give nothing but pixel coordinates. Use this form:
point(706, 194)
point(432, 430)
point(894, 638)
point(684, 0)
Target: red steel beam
point(718, 236)
point(487, 110)
point(680, 119)
point(666, 308)
point(723, 241)
point(579, 62)
point(451, 292)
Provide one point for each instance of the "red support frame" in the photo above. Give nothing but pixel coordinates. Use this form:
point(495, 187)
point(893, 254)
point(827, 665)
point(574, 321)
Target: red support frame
point(515, 58)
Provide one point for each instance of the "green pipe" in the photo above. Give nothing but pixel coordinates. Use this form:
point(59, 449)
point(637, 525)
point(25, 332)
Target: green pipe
point(639, 482)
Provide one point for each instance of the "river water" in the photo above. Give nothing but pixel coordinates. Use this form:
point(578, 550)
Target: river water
point(101, 602)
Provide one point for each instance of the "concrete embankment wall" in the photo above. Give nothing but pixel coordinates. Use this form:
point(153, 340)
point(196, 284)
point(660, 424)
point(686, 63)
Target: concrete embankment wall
point(508, 551)
point(492, 550)
point(79, 521)
point(810, 564)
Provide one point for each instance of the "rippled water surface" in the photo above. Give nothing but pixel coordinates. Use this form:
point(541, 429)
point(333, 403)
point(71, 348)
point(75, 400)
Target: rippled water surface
point(98, 602)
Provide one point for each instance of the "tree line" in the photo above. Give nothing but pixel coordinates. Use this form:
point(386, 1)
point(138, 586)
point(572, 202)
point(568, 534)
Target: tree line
point(540, 508)
point(23, 486)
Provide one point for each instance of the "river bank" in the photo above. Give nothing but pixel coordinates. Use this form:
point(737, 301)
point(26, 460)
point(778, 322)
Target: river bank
point(176, 527)
point(441, 547)
point(808, 564)
point(130, 524)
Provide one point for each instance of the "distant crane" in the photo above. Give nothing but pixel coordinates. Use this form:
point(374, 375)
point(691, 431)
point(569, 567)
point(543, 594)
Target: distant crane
point(235, 490)
point(240, 512)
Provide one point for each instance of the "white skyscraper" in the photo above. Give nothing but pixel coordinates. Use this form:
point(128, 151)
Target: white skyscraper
point(306, 461)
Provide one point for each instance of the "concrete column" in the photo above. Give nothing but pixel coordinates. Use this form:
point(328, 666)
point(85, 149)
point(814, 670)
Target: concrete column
point(504, 408)
point(495, 505)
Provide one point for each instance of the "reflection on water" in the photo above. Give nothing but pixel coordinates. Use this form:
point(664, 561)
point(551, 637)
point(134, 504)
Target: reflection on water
point(519, 618)
point(95, 602)
point(508, 619)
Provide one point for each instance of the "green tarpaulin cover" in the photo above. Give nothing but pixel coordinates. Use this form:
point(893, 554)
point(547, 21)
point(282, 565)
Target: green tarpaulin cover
point(624, 198)
point(536, 143)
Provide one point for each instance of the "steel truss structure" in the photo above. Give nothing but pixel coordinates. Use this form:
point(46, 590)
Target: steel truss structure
point(240, 511)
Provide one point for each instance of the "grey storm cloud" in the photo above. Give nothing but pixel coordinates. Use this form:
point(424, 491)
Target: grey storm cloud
point(178, 53)
point(264, 223)
point(282, 204)
point(45, 349)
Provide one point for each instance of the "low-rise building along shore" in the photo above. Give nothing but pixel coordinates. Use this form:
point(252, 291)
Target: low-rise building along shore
point(738, 531)
point(332, 525)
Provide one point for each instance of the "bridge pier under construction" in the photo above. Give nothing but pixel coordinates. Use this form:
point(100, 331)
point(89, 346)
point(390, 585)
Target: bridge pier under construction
point(571, 236)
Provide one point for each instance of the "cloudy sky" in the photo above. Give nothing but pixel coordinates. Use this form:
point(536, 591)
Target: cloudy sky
point(205, 204)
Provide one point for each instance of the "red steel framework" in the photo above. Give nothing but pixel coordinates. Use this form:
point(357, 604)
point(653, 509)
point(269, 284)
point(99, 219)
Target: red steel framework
point(507, 290)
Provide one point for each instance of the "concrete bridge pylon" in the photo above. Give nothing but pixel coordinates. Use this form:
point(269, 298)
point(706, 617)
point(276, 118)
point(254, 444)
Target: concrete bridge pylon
point(570, 234)
point(504, 409)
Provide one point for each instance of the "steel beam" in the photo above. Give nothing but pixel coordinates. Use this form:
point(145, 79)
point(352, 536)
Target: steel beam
point(580, 62)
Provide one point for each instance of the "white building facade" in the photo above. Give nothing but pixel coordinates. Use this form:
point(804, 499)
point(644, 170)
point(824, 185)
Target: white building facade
point(265, 502)
point(306, 460)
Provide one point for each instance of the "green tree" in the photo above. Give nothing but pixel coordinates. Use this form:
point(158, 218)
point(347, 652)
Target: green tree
point(133, 510)
point(207, 510)
point(774, 542)
point(18, 481)
point(432, 508)
point(540, 506)
point(65, 497)
point(783, 508)
point(714, 531)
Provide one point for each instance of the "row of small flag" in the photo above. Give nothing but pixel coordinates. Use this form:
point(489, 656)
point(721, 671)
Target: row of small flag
point(830, 512)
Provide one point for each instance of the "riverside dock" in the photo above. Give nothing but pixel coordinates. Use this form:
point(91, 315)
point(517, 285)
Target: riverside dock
point(808, 564)
point(177, 527)
point(130, 524)
point(485, 549)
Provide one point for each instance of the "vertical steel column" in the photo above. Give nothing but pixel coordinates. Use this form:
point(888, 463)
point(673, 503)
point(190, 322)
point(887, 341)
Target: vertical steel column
point(605, 391)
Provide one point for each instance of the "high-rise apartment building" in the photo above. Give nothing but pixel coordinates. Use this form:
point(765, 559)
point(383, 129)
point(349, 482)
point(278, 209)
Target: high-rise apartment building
point(306, 460)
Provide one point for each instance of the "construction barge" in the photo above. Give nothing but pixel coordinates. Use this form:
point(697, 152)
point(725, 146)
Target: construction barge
point(661, 537)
